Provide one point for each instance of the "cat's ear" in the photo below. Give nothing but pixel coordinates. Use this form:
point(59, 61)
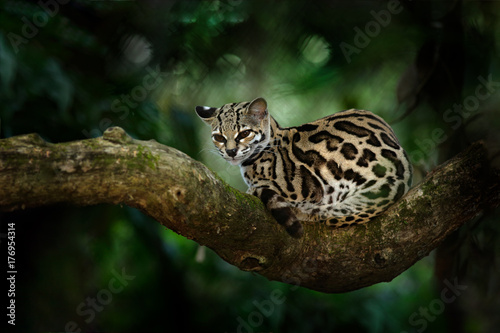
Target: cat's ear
point(258, 108)
point(206, 113)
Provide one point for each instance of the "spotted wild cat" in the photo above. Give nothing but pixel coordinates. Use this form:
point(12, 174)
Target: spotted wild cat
point(343, 169)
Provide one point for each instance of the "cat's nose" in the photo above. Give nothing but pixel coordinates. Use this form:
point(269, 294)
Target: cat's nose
point(231, 152)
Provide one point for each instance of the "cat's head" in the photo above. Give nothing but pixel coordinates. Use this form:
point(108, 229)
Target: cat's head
point(238, 129)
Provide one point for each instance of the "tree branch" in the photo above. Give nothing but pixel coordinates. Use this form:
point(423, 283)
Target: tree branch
point(188, 198)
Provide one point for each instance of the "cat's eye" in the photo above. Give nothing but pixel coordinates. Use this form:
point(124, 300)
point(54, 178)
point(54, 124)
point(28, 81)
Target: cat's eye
point(243, 134)
point(219, 138)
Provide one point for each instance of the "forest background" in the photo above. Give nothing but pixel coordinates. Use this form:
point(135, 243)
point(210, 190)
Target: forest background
point(71, 69)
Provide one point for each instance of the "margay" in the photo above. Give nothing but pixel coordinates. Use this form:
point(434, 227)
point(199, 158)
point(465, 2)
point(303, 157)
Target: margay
point(343, 169)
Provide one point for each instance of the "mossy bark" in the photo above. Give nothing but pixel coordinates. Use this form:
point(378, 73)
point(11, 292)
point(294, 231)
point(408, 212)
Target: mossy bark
point(188, 198)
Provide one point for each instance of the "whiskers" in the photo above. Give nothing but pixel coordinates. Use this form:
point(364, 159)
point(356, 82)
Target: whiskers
point(217, 162)
point(214, 151)
point(207, 153)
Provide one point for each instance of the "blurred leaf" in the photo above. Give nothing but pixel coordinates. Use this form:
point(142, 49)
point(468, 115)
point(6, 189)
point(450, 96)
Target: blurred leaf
point(8, 65)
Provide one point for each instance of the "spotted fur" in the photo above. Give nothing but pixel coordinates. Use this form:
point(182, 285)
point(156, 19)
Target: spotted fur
point(343, 169)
